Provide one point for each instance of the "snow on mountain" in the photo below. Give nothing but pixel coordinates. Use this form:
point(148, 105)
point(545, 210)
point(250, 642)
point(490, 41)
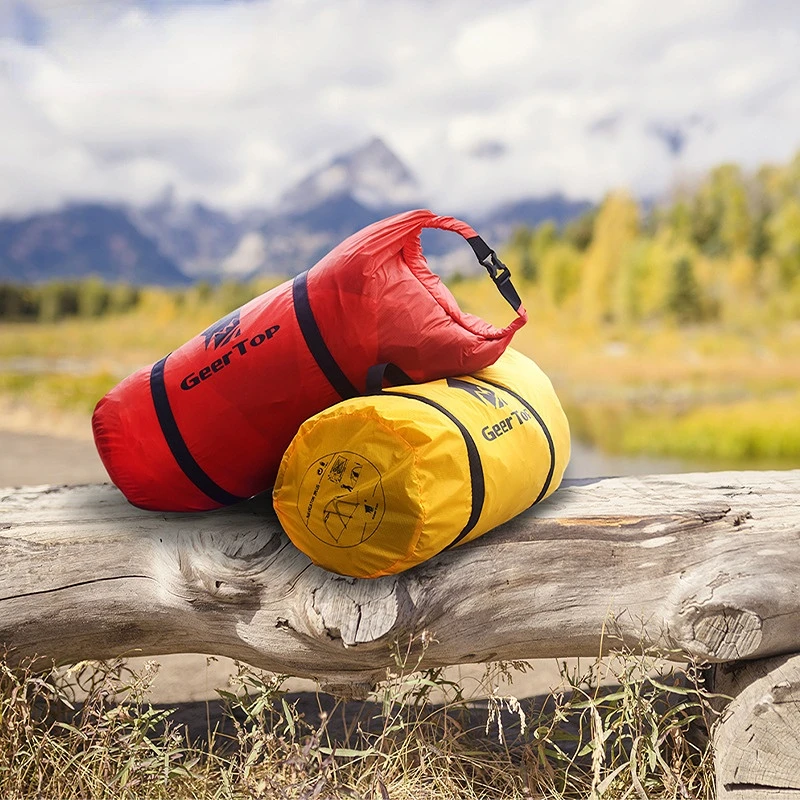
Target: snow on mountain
point(197, 237)
point(371, 174)
point(250, 254)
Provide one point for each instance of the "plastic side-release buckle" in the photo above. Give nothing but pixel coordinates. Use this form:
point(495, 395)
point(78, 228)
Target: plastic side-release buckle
point(497, 269)
point(501, 275)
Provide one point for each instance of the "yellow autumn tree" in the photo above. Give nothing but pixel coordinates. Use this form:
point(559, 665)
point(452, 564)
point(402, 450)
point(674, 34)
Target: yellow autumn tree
point(615, 229)
point(560, 273)
point(721, 218)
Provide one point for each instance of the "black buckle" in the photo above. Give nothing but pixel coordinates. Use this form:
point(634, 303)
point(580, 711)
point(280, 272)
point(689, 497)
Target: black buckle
point(498, 271)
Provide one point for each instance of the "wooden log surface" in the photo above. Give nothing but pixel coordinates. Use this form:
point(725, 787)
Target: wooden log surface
point(757, 746)
point(706, 564)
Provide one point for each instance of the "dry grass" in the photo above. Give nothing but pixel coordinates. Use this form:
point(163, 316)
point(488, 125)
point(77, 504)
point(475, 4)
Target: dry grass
point(646, 738)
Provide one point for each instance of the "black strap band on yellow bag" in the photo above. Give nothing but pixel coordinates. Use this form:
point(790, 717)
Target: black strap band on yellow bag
point(498, 271)
point(545, 430)
point(476, 476)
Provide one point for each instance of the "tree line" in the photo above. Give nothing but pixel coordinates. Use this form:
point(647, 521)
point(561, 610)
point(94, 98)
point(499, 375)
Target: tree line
point(726, 248)
point(91, 297)
point(48, 302)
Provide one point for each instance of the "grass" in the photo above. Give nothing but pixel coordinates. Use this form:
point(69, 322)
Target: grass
point(727, 394)
point(56, 391)
point(761, 433)
point(646, 737)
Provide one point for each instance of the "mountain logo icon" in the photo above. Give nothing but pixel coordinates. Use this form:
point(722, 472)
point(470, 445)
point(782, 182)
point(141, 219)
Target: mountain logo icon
point(482, 393)
point(223, 330)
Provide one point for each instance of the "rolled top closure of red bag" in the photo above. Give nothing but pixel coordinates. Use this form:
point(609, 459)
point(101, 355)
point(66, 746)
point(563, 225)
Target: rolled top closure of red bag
point(451, 224)
point(487, 258)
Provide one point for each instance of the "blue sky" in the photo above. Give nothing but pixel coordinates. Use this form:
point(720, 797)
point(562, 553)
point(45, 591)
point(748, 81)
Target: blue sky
point(231, 102)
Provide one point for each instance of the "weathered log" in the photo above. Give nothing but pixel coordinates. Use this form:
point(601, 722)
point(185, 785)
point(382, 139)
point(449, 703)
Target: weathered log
point(757, 746)
point(705, 564)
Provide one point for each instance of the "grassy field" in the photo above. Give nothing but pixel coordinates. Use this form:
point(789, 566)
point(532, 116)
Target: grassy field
point(727, 394)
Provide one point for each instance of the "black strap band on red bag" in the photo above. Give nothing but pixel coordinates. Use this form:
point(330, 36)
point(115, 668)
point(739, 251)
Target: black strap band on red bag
point(378, 374)
point(180, 452)
point(475, 467)
point(314, 341)
point(498, 271)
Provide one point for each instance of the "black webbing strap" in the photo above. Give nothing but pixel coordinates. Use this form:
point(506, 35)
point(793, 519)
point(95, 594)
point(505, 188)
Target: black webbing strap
point(378, 374)
point(316, 344)
point(474, 461)
point(498, 271)
point(180, 452)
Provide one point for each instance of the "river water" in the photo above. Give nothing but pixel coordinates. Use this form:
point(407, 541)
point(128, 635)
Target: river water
point(589, 462)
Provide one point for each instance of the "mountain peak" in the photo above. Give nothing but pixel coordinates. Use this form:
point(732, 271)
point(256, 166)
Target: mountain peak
point(371, 173)
point(375, 149)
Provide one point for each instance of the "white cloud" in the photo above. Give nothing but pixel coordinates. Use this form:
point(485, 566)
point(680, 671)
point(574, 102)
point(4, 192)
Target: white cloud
point(231, 102)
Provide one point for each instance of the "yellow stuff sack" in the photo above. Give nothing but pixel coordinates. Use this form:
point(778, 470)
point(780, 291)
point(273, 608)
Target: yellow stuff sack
point(374, 485)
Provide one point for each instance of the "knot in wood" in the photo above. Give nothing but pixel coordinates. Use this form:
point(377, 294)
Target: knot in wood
point(225, 563)
point(726, 633)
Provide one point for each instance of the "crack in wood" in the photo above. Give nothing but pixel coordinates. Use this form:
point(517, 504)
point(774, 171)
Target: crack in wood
point(625, 529)
point(297, 577)
point(74, 585)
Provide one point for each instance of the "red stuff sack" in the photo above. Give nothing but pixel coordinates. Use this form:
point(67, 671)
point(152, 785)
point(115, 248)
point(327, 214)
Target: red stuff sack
point(207, 425)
